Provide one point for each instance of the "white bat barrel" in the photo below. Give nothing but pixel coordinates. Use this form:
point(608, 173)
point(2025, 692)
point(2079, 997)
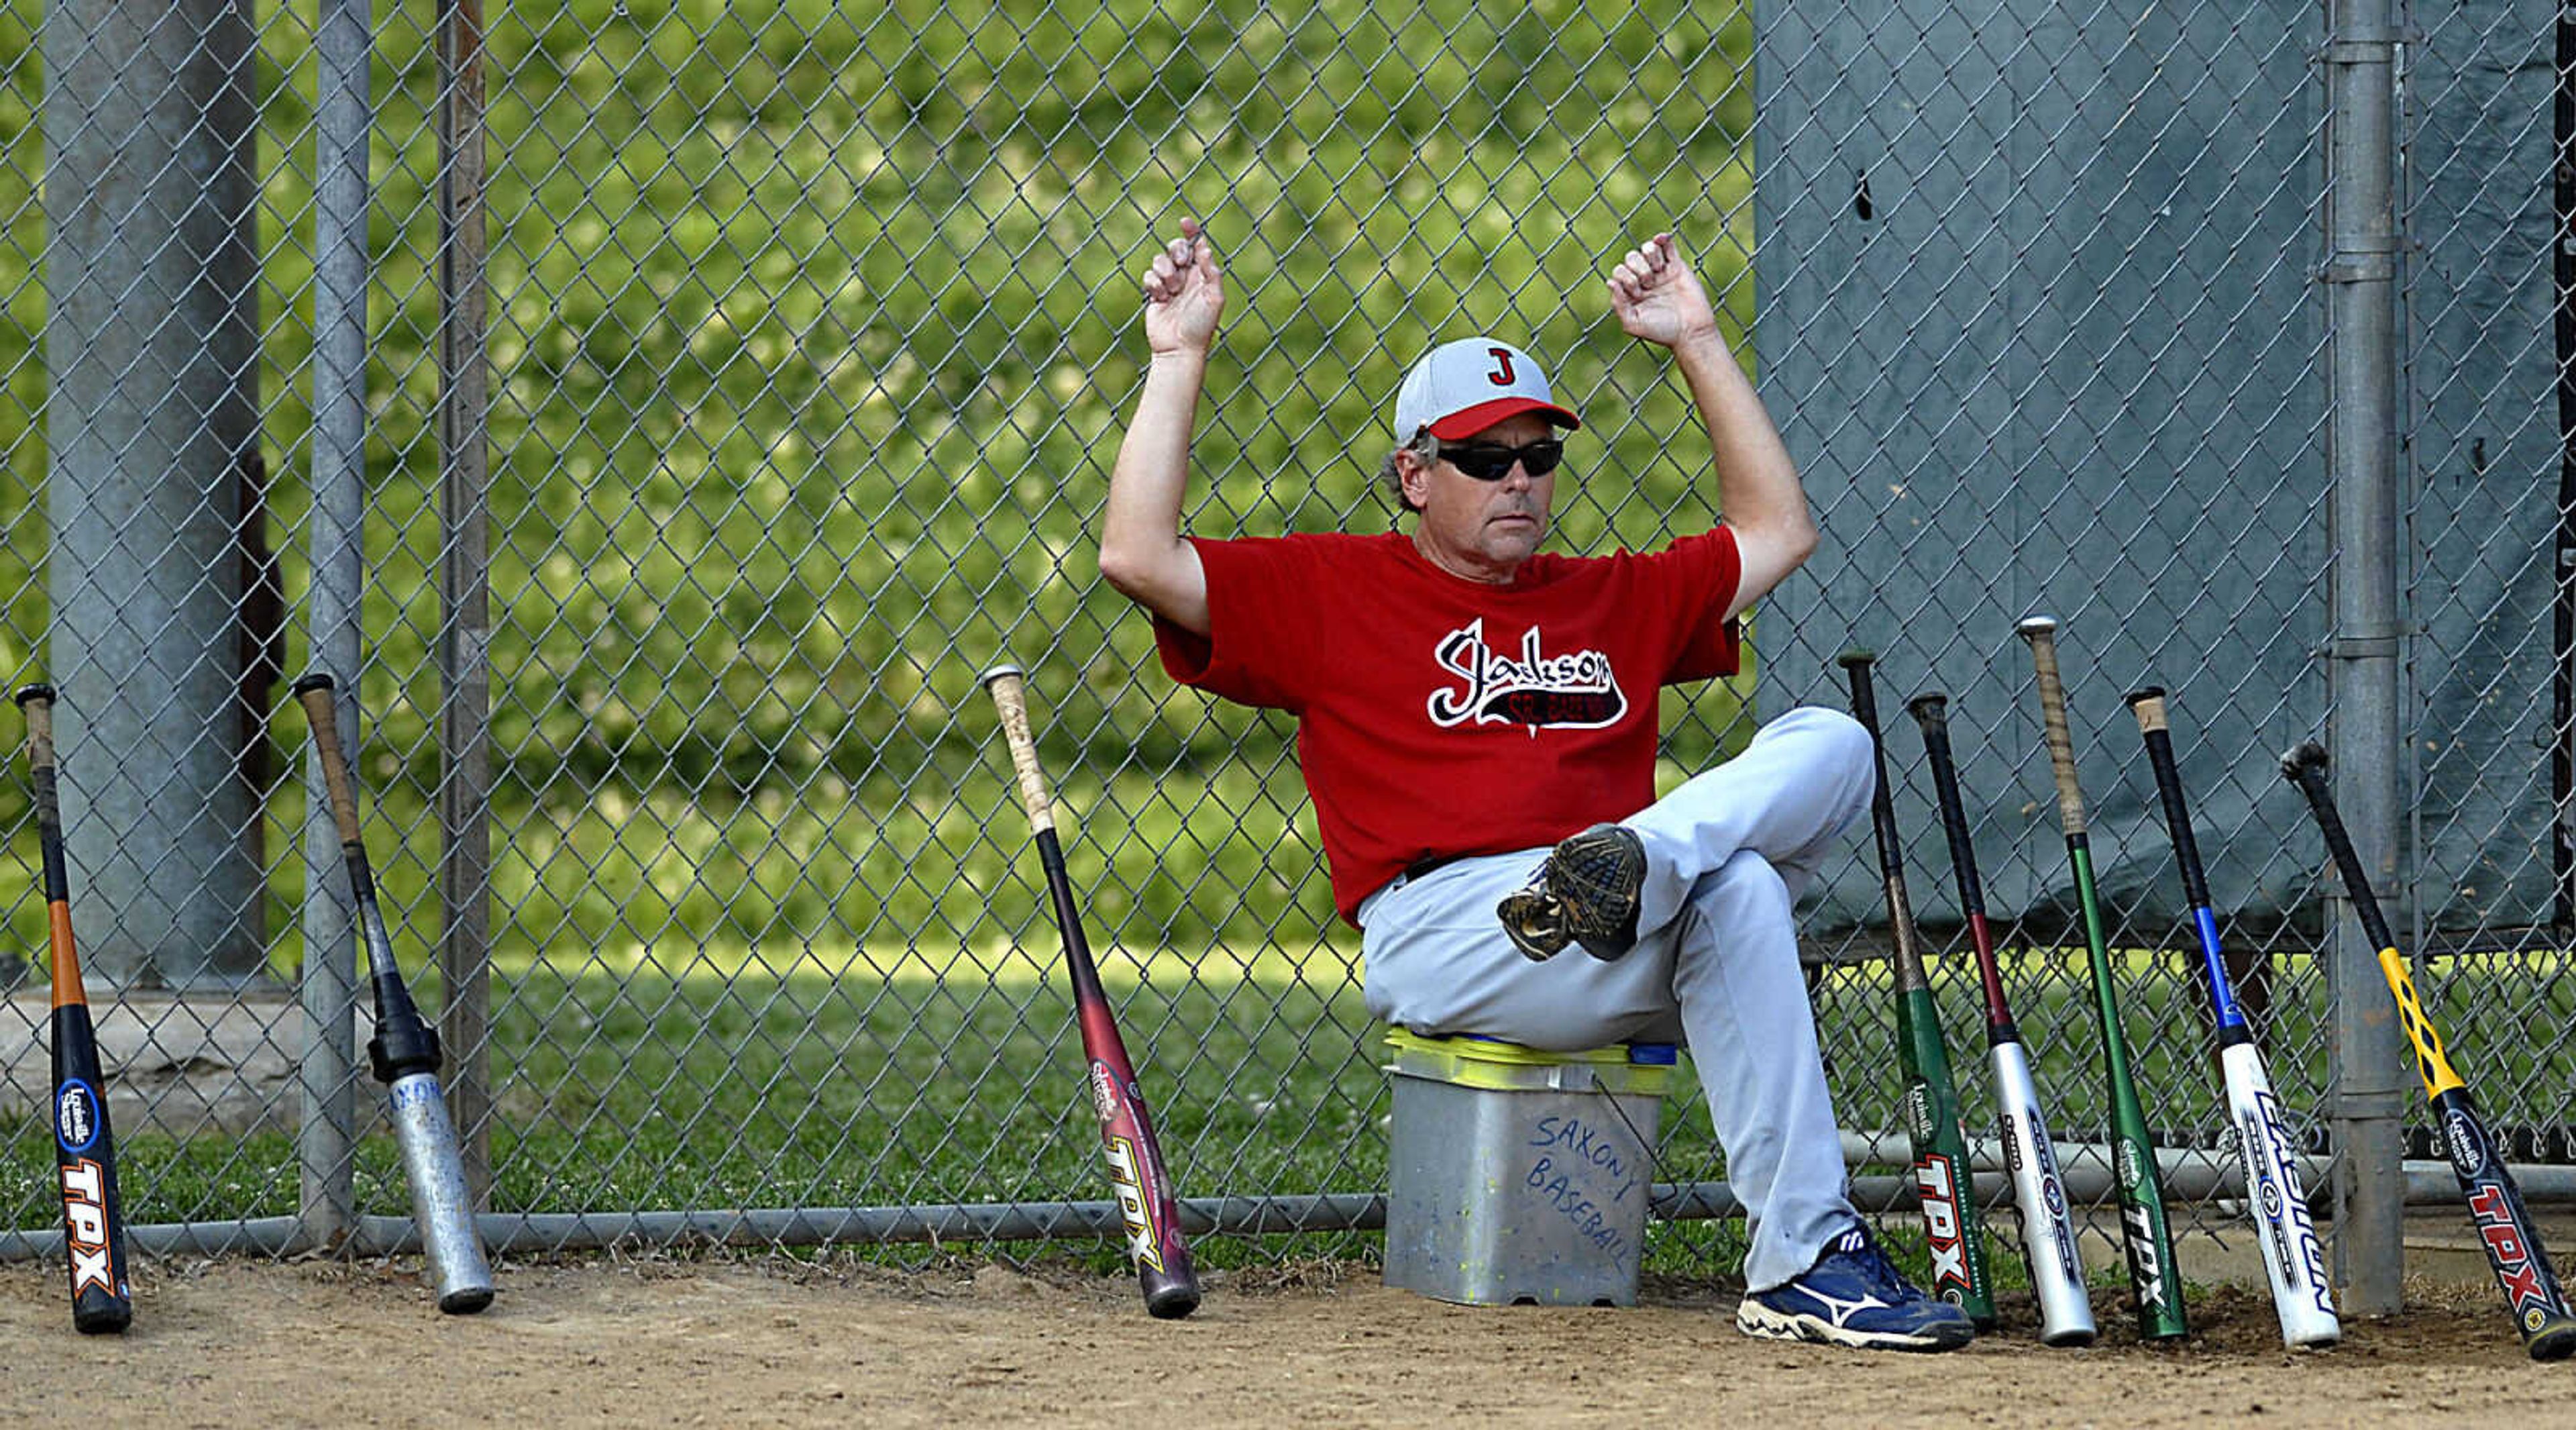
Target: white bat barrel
point(440, 1204)
point(2291, 1253)
point(2047, 1224)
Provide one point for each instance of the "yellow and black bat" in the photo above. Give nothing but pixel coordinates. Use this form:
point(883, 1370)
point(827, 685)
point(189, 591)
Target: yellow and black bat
point(2504, 1228)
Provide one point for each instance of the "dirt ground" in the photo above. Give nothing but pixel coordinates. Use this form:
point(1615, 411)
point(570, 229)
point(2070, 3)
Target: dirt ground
point(607, 1341)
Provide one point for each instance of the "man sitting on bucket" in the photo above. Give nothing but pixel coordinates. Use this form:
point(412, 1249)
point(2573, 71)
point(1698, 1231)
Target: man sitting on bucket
point(1477, 727)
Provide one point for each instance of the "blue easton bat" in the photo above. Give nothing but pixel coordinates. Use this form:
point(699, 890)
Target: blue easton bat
point(2292, 1258)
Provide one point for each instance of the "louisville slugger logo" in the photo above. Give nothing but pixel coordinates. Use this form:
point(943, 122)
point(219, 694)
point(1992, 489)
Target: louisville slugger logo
point(1141, 1241)
point(2467, 1144)
point(76, 1119)
point(1104, 1093)
point(1937, 1183)
point(85, 1225)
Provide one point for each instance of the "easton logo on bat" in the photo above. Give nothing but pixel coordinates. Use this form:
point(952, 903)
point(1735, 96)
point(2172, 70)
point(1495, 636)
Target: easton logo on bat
point(85, 1225)
point(1131, 1203)
point(2286, 1225)
point(76, 1119)
point(1938, 1186)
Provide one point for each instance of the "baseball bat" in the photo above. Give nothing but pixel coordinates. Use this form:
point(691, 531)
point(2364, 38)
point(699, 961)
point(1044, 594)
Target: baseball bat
point(2292, 1259)
point(84, 1147)
point(2145, 1234)
point(2512, 1243)
point(1136, 1173)
point(404, 1050)
point(2047, 1228)
point(1942, 1174)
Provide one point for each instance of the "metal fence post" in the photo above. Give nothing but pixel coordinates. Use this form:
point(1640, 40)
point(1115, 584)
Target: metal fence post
point(2360, 272)
point(465, 675)
point(152, 401)
point(326, 1140)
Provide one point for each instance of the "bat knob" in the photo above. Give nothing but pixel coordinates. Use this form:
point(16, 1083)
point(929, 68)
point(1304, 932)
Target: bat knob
point(2145, 693)
point(35, 692)
point(2031, 626)
point(1854, 659)
point(2308, 755)
point(997, 672)
point(1930, 705)
point(317, 680)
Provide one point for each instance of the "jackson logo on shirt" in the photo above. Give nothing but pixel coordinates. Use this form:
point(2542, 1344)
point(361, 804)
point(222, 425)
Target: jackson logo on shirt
point(1578, 691)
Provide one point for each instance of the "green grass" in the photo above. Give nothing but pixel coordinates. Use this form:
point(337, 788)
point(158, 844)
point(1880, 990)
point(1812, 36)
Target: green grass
point(798, 1077)
point(812, 332)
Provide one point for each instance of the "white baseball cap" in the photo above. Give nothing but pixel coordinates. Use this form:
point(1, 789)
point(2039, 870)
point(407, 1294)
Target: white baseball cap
point(1462, 388)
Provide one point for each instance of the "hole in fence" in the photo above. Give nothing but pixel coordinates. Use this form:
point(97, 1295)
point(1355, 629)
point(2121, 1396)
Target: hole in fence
point(1860, 197)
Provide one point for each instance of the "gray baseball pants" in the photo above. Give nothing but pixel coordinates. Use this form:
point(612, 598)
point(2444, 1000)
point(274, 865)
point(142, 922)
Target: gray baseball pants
point(1715, 967)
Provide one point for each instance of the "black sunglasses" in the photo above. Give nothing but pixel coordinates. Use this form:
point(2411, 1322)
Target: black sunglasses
point(1491, 462)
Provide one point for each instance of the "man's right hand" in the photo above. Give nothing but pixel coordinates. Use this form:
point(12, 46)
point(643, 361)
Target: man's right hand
point(1184, 293)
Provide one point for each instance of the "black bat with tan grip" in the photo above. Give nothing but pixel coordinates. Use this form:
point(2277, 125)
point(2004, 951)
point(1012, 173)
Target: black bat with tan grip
point(2146, 1235)
point(1146, 1203)
point(84, 1147)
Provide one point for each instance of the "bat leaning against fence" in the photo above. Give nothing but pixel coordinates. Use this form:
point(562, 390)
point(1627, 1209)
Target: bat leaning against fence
point(2145, 1234)
point(2292, 1257)
point(1943, 1177)
point(1145, 1201)
point(404, 1049)
point(2505, 1230)
point(2047, 1226)
point(84, 1147)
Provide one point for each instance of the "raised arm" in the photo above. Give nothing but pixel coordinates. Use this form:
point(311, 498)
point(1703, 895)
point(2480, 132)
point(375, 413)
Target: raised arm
point(1659, 299)
point(1141, 550)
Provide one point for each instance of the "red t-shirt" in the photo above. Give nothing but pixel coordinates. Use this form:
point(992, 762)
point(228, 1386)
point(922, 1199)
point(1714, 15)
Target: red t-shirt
point(1441, 717)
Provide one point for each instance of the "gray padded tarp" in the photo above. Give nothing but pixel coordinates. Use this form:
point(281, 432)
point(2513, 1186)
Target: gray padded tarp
point(2040, 320)
point(2483, 413)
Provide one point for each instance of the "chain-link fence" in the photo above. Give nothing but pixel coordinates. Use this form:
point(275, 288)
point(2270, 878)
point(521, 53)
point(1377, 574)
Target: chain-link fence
point(697, 398)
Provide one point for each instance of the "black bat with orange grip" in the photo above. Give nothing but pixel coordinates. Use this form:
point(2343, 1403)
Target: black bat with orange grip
point(2505, 1229)
point(84, 1149)
point(1144, 1189)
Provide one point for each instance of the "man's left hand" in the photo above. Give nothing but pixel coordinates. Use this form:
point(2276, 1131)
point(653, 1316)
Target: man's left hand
point(1658, 298)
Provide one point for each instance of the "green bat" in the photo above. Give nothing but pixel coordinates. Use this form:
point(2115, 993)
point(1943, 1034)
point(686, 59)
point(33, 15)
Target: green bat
point(1942, 1175)
point(2144, 1232)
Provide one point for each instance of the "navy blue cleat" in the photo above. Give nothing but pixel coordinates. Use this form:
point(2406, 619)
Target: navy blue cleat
point(1854, 1296)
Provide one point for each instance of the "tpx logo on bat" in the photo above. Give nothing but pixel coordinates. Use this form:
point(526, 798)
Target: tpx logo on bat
point(2144, 1270)
point(85, 1225)
point(1131, 1202)
point(2512, 1254)
point(1938, 1186)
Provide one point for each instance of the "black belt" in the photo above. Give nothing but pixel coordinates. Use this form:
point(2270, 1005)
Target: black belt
point(1423, 866)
